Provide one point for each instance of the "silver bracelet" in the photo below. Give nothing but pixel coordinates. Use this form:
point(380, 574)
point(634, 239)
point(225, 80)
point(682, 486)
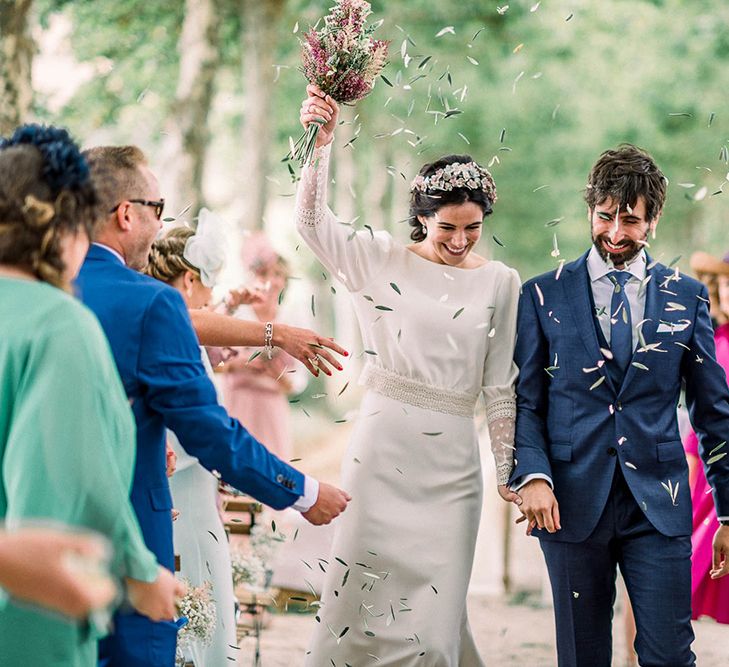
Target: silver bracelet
point(268, 340)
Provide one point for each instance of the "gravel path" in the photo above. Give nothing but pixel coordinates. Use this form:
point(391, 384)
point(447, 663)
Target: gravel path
point(516, 630)
point(506, 634)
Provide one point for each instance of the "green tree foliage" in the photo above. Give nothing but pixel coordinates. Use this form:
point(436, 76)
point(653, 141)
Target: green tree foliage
point(537, 90)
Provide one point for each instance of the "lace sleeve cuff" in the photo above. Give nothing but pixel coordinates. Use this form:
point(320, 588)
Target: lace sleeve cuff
point(311, 199)
point(503, 473)
point(501, 419)
point(504, 408)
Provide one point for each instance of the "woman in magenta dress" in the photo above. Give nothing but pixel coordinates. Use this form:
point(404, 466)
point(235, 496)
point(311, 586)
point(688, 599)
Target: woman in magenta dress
point(709, 597)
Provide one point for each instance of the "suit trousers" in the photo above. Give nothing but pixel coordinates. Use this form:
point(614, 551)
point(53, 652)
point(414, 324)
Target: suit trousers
point(657, 573)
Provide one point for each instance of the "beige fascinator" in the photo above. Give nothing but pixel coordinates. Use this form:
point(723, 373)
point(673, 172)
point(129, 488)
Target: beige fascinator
point(206, 249)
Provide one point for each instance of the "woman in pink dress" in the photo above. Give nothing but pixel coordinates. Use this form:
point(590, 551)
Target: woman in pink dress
point(709, 597)
point(255, 391)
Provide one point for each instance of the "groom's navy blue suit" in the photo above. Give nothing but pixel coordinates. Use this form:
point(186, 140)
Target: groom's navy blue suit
point(158, 358)
point(610, 445)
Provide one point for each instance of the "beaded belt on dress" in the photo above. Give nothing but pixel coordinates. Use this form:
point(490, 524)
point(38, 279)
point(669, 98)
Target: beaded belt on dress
point(417, 393)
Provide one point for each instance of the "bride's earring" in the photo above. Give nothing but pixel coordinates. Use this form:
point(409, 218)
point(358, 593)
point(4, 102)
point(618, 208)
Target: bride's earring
point(425, 230)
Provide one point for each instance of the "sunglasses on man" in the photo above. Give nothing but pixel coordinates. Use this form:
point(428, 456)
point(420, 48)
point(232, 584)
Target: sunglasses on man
point(159, 206)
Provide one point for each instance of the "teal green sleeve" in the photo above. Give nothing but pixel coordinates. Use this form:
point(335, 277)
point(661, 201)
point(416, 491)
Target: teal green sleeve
point(71, 447)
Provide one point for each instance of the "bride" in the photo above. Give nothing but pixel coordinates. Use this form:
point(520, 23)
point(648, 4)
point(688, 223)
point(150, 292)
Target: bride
point(438, 322)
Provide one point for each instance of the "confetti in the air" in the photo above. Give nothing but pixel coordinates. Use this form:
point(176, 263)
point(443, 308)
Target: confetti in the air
point(672, 490)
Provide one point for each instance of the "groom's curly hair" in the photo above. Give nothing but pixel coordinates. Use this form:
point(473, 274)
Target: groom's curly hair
point(624, 174)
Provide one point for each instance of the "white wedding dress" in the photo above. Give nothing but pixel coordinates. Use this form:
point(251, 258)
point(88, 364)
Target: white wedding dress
point(202, 544)
point(435, 338)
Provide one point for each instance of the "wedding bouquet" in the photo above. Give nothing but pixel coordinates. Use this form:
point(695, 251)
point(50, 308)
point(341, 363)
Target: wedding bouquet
point(199, 608)
point(342, 59)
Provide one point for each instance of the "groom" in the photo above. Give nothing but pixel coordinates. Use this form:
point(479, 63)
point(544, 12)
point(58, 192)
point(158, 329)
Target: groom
point(603, 348)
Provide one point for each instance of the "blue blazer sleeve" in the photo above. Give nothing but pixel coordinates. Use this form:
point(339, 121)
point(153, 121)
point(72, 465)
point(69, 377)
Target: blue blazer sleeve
point(531, 356)
point(707, 399)
point(176, 386)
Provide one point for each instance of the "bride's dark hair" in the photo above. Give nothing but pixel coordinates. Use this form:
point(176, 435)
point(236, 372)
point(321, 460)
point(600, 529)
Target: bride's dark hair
point(427, 203)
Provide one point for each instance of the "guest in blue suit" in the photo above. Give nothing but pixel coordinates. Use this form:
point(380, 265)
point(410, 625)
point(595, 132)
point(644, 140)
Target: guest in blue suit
point(158, 358)
point(603, 348)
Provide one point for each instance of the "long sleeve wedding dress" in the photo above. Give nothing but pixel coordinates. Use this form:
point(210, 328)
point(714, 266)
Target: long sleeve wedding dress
point(435, 338)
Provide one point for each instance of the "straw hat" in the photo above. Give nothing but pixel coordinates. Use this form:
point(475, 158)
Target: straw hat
point(703, 262)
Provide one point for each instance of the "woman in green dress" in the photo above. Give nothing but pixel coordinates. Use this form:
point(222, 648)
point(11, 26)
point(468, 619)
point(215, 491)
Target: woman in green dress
point(66, 429)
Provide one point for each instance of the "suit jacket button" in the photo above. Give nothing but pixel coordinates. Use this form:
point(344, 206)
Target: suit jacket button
point(619, 406)
point(279, 478)
point(612, 451)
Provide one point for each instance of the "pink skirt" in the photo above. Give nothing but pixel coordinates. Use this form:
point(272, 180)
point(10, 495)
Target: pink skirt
point(708, 597)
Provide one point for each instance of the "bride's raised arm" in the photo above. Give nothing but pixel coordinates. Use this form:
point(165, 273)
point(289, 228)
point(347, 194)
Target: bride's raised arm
point(352, 256)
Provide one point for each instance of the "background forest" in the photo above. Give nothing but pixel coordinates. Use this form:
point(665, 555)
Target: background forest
point(211, 90)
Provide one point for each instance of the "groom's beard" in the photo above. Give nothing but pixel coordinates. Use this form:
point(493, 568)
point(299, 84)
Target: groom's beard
point(629, 249)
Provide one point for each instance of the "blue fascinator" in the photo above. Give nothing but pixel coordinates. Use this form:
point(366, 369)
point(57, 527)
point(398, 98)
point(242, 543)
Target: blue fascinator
point(64, 168)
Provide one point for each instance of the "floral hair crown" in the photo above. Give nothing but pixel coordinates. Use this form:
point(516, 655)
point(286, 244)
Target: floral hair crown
point(457, 175)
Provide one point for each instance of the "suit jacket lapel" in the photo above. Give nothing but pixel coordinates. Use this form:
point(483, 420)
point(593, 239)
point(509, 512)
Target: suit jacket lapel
point(577, 292)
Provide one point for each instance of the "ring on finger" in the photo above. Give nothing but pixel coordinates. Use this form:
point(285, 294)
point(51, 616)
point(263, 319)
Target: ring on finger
point(314, 361)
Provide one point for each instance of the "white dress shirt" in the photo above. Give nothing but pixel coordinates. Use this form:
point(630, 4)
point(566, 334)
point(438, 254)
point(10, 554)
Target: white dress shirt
point(603, 288)
point(112, 251)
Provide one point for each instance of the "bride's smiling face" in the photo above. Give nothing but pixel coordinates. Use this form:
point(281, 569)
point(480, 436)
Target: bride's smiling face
point(452, 232)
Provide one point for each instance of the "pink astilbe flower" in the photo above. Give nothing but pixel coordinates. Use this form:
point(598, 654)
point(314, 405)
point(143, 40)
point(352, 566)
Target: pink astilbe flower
point(354, 87)
point(342, 59)
point(352, 13)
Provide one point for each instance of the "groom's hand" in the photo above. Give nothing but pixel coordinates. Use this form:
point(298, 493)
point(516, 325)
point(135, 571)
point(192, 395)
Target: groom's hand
point(720, 565)
point(539, 505)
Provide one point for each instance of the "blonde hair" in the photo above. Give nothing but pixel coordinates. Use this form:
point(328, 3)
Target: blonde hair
point(116, 174)
point(166, 257)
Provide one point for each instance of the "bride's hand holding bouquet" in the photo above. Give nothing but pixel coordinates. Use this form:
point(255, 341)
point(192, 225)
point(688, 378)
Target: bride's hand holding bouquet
point(320, 108)
point(341, 61)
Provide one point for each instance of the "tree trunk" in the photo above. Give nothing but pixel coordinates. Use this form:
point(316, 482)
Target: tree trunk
point(260, 37)
point(16, 57)
point(199, 53)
